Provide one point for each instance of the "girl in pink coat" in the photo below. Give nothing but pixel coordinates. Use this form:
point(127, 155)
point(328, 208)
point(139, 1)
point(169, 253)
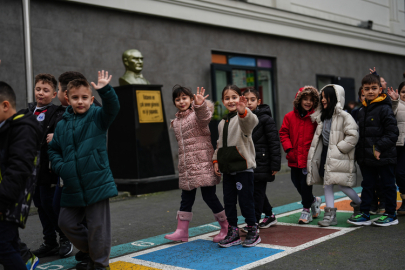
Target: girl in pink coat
point(195, 160)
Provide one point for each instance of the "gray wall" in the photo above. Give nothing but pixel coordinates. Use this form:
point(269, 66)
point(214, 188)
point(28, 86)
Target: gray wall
point(70, 36)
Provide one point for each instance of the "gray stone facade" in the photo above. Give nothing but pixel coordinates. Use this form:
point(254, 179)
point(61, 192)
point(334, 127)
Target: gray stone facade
point(69, 36)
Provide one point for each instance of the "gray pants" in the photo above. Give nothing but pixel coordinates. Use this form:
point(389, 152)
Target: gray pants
point(96, 240)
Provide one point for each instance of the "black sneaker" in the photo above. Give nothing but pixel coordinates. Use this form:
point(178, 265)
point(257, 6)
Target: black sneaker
point(81, 266)
point(65, 247)
point(374, 210)
point(82, 257)
point(232, 238)
point(252, 237)
point(267, 222)
point(46, 250)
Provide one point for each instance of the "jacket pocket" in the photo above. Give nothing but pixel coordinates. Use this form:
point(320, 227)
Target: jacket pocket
point(230, 160)
point(99, 159)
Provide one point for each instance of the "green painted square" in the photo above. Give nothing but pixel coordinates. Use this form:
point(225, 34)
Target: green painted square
point(342, 218)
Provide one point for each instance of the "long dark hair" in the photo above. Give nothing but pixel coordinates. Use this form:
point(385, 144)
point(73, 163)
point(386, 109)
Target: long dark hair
point(231, 87)
point(401, 86)
point(330, 96)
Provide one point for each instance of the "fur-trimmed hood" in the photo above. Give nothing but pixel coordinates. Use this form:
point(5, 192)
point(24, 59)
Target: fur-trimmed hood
point(303, 91)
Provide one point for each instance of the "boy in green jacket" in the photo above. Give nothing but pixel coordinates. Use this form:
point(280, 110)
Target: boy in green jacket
point(79, 156)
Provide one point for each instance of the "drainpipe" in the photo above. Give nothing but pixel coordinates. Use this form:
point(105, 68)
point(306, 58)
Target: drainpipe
point(27, 50)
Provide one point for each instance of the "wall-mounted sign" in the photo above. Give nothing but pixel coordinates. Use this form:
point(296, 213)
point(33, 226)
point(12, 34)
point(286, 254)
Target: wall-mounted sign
point(149, 106)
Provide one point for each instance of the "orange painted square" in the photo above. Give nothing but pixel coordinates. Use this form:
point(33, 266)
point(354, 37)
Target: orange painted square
point(218, 59)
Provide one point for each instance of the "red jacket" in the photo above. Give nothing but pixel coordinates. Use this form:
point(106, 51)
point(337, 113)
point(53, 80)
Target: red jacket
point(296, 133)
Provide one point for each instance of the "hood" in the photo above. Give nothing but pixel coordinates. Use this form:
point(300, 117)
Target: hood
point(383, 99)
point(340, 95)
point(306, 90)
point(22, 117)
point(262, 109)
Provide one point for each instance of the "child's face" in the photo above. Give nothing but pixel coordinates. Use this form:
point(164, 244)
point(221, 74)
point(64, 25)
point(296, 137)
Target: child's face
point(44, 93)
point(324, 101)
point(62, 96)
point(402, 93)
point(252, 100)
point(383, 83)
point(80, 99)
point(307, 102)
point(371, 91)
point(230, 99)
point(362, 97)
point(183, 102)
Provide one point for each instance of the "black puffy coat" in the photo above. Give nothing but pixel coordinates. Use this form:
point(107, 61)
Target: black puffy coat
point(378, 130)
point(267, 145)
point(19, 150)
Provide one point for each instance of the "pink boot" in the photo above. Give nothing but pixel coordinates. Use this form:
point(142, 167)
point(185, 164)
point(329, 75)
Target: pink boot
point(222, 220)
point(181, 233)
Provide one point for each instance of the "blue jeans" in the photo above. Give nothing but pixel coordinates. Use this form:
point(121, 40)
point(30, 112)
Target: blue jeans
point(239, 186)
point(209, 196)
point(10, 256)
point(373, 174)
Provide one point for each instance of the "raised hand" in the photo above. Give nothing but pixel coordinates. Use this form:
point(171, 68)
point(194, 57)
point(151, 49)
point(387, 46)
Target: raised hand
point(372, 71)
point(103, 80)
point(393, 94)
point(199, 97)
point(241, 105)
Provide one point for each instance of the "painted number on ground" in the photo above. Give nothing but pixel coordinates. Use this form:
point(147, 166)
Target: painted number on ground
point(142, 244)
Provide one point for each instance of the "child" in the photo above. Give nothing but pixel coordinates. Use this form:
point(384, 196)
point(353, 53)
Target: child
point(376, 152)
point(20, 137)
point(195, 164)
point(331, 155)
point(398, 106)
point(235, 159)
point(47, 115)
point(78, 155)
point(268, 157)
point(296, 135)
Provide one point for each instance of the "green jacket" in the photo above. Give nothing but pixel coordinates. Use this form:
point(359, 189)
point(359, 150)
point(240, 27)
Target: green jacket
point(78, 152)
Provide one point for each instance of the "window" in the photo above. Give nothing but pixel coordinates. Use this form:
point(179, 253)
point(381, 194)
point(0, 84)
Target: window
point(346, 83)
point(243, 71)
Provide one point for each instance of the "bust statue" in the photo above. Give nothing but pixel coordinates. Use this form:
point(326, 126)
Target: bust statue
point(133, 62)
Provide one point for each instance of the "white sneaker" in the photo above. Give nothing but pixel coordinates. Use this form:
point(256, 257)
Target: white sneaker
point(305, 218)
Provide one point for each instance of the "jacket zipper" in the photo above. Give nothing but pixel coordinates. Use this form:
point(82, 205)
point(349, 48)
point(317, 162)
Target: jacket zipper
point(184, 153)
point(77, 169)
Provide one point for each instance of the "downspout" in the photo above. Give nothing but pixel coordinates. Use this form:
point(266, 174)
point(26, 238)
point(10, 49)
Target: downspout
point(27, 50)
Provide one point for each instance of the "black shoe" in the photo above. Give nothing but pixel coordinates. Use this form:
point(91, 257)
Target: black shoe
point(252, 237)
point(46, 250)
point(232, 238)
point(374, 209)
point(65, 247)
point(82, 257)
point(267, 222)
point(81, 266)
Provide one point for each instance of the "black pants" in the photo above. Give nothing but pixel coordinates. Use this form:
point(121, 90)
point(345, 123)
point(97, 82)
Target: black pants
point(323, 161)
point(400, 169)
point(10, 256)
point(371, 174)
point(262, 204)
point(378, 194)
point(239, 186)
point(209, 196)
point(300, 182)
point(44, 200)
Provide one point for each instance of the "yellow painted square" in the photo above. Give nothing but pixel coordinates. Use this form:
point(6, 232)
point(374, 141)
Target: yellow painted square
point(119, 265)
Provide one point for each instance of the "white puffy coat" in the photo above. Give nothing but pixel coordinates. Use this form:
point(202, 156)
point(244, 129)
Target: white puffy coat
point(340, 168)
point(398, 106)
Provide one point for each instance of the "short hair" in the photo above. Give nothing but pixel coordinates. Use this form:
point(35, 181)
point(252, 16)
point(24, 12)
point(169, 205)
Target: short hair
point(371, 79)
point(69, 76)
point(253, 91)
point(7, 93)
point(231, 87)
point(46, 78)
point(76, 84)
point(178, 90)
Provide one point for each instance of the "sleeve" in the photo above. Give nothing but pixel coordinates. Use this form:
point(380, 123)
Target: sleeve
point(391, 132)
point(247, 122)
point(351, 131)
point(203, 114)
point(55, 153)
point(219, 141)
point(273, 142)
point(22, 153)
point(285, 134)
point(106, 114)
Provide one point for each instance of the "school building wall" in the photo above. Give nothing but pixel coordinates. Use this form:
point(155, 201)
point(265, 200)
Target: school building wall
point(71, 36)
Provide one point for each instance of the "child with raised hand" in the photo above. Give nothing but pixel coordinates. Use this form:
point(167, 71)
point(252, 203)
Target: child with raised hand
point(268, 157)
point(79, 156)
point(331, 156)
point(296, 135)
point(398, 106)
point(195, 163)
point(235, 159)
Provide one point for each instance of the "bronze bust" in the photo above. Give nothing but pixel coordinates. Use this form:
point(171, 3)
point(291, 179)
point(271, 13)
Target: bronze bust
point(133, 62)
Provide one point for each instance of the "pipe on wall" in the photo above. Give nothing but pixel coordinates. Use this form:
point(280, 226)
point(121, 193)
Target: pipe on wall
point(27, 50)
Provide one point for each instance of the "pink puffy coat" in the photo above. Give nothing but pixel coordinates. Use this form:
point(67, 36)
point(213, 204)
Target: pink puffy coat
point(195, 149)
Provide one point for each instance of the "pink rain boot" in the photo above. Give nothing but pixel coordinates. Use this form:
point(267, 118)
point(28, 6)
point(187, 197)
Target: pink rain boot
point(222, 220)
point(181, 233)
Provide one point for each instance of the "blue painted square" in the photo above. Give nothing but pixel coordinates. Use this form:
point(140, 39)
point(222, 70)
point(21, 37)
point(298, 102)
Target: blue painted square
point(203, 254)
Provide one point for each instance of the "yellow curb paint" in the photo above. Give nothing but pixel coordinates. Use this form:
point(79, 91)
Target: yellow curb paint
point(129, 266)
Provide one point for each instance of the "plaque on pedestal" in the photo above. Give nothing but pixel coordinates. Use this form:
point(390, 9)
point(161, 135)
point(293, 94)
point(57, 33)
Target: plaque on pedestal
point(138, 142)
